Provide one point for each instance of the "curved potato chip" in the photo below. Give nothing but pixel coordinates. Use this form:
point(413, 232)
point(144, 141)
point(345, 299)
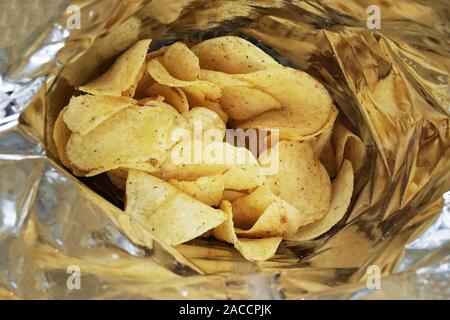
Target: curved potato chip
point(61, 135)
point(132, 135)
point(192, 159)
point(232, 195)
point(247, 210)
point(86, 112)
point(318, 142)
point(205, 124)
point(348, 146)
point(328, 159)
point(251, 249)
point(197, 99)
point(243, 103)
point(306, 104)
point(205, 189)
point(124, 74)
point(341, 194)
point(172, 95)
point(221, 79)
point(271, 223)
point(232, 54)
point(158, 72)
point(143, 84)
point(301, 180)
point(171, 215)
point(181, 62)
point(156, 53)
point(242, 177)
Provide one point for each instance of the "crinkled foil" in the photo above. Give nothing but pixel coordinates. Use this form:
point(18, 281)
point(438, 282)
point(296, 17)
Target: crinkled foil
point(391, 83)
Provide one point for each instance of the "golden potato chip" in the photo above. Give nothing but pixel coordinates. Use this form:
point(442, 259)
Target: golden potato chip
point(118, 177)
point(181, 62)
point(232, 195)
point(232, 54)
point(158, 72)
point(61, 135)
point(131, 136)
point(205, 124)
point(306, 104)
point(318, 143)
point(251, 249)
point(156, 53)
point(301, 180)
point(243, 103)
point(143, 85)
point(124, 74)
point(171, 215)
point(172, 95)
point(190, 160)
point(248, 210)
point(328, 159)
point(221, 79)
point(271, 223)
point(242, 177)
point(205, 189)
point(149, 101)
point(259, 249)
point(86, 112)
point(197, 99)
point(341, 194)
point(348, 146)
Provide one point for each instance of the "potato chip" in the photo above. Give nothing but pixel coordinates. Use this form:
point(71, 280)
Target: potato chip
point(221, 79)
point(143, 85)
point(61, 135)
point(348, 146)
point(247, 210)
point(181, 62)
point(242, 177)
point(232, 195)
point(306, 104)
point(251, 249)
point(328, 159)
point(156, 53)
point(318, 143)
point(124, 74)
point(271, 223)
point(197, 99)
point(205, 124)
point(149, 101)
point(171, 215)
point(86, 112)
point(301, 180)
point(172, 95)
point(243, 103)
point(190, 160)
point(205, 189)
point(133, 135)
point(232, 55)
point(341, 194)
point(158, 72)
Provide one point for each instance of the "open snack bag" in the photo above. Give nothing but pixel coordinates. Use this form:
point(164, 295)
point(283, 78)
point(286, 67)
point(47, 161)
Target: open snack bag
point(226, 149)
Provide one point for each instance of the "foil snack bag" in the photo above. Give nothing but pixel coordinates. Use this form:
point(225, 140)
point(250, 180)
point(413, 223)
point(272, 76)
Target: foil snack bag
point(388, 78)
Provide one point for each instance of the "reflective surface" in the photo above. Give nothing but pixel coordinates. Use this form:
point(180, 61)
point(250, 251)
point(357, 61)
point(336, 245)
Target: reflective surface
point(390, 85)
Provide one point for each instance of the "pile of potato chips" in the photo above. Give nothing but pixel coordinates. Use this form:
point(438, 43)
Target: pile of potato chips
point(157, 124)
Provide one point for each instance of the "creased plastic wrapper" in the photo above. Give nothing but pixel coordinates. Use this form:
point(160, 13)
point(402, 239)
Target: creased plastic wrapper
point(390, 83)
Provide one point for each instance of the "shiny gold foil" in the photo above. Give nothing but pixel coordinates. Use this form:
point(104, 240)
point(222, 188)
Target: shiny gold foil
point(390, 85)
